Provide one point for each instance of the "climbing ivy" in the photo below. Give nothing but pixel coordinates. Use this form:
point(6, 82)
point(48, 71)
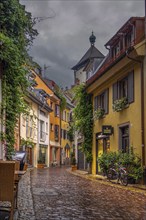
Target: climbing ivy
point(83, 119)
point(63, 103)
point(14, 84)
point(16, 35)
point(17, 24)
point(27, 142)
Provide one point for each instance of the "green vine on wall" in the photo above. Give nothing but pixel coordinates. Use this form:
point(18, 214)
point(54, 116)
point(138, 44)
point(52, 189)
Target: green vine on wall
point(83, 119)
point(14, 84)
point(62, 99)
point(27, 142)
point(16, 35)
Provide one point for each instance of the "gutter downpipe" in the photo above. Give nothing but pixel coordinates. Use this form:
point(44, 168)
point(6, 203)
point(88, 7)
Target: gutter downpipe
point(142, 107)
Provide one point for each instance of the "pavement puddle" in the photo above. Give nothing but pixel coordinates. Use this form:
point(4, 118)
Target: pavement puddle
point(41, 191)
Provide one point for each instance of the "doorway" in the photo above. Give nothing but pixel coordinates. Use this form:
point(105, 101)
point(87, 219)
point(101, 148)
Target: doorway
point(102, 145)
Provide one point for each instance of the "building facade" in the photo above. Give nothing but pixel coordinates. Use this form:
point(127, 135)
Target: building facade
point(55, 122)
point(85, 68)
point(118, 91)
point(66, 140)
point(34, 128)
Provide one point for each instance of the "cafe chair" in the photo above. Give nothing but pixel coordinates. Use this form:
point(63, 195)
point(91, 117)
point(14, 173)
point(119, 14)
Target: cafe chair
point(16, 180)
point(7, 192)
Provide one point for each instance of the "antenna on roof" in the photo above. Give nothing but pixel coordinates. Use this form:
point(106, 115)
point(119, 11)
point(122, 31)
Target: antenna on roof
point(39, 19)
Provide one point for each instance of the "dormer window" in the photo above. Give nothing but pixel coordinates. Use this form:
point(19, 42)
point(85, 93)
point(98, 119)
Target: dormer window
point(128, 39)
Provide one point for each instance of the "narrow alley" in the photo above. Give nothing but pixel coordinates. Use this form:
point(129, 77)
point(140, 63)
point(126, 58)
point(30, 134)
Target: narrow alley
point(55, 194)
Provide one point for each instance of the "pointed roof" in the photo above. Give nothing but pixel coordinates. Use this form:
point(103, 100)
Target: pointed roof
point(93, 52)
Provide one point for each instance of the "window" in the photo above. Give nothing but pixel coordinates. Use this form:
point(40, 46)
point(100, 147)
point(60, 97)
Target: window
point(31, 122)
point(65, 136)
point(42, 133)
point(57, 110)
point(51, 104)
point(56, 132)
point(128, 39)
point(101, 101)
point(124, 88)
point(67, 117)
point(124, 138)
point(116, 50)
point(27, 128)
point(23, 120)
point(64, 115)
point(47, 127)
point(42, 113)
point(51, 127)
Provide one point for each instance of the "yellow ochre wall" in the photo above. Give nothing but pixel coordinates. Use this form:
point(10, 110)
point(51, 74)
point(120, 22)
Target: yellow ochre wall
point(129, 115)
point(65, 126)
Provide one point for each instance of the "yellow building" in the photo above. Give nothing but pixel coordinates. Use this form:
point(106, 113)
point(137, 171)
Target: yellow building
point(66, 143)
point(118, 95)
point(54, 103)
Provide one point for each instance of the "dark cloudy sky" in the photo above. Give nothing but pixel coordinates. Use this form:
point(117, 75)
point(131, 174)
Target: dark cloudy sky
point(64, 39)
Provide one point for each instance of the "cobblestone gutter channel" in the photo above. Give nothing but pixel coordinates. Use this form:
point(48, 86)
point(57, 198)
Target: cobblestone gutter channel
point(25, 200)
point(102, 179)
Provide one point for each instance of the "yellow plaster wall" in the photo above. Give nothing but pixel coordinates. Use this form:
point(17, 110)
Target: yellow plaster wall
point(129, 115)
point(65, 126)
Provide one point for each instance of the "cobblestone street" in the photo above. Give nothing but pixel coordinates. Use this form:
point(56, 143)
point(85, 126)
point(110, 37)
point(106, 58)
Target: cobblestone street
point(57, 194)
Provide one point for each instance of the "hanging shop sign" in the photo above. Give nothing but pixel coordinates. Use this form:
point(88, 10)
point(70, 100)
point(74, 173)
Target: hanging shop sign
point(107, 130)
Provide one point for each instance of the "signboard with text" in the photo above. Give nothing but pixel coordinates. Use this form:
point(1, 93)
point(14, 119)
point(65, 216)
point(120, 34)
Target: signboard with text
point(107, 130)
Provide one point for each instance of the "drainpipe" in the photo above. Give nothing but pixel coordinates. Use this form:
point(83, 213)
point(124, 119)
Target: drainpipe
point(142, 107)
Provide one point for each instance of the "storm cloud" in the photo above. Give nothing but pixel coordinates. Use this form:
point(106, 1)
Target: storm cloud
point(64, 38)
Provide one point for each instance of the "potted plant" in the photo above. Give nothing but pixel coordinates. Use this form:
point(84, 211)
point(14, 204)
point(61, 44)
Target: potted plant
point(99, 113)
point(89, 159)
point(73, 162)
point(41, 163)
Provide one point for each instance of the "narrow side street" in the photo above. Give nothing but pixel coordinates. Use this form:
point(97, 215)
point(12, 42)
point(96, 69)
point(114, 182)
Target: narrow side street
point(58, 194)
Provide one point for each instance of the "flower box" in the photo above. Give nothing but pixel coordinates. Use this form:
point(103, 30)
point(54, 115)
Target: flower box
point(99, 113)
point(120, 104)
point(74, 167)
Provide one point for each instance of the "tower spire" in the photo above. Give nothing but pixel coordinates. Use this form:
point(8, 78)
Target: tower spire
point(92, 39)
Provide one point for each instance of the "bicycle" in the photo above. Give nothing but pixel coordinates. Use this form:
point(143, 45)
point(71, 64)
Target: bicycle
point(118, 172)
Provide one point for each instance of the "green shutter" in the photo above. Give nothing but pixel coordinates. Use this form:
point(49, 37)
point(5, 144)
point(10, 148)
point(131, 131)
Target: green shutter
point(95, 103)
point(106, 101)
point(131, 87)
point(115, 91)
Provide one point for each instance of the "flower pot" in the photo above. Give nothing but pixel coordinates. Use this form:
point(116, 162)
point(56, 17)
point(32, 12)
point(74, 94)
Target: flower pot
point(74, 167)
point(40, 165)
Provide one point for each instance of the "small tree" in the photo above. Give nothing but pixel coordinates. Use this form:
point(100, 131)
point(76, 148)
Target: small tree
point(73, 159)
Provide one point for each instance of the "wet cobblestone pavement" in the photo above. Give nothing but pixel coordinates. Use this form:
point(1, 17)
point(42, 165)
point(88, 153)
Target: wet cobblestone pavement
point(59, 195)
